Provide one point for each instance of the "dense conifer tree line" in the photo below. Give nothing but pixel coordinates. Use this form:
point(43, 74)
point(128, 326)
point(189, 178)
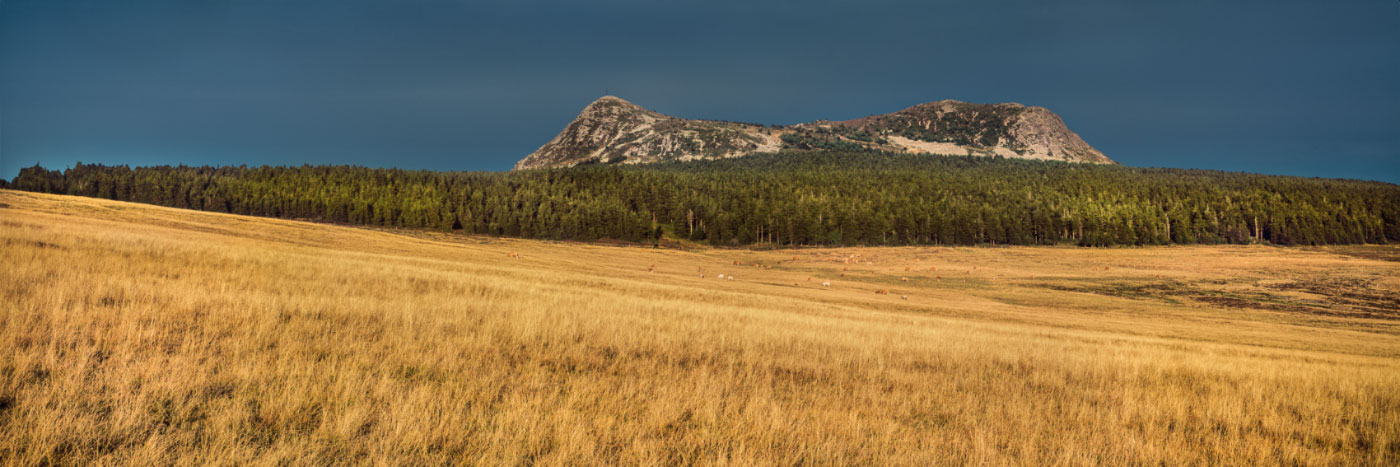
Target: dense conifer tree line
point(822, 198)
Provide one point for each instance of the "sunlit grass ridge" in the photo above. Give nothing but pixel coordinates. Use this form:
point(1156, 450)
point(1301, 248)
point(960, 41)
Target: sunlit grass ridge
point(132, 334)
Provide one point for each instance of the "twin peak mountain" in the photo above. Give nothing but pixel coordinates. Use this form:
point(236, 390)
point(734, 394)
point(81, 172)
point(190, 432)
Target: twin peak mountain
point(614, 131)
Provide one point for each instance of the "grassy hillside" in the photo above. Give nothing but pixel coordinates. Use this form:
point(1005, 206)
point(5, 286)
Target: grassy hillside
point(136, 334)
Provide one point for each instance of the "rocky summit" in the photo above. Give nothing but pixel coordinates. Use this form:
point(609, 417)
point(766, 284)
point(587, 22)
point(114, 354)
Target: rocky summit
point(614, 131)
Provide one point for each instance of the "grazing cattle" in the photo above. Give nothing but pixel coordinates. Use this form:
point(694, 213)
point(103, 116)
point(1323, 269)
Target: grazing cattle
point(512, 255)
point(730, 278)
point(932, 268)
point(940, 278)
point(843, 274)
point(651, 269)
point(906, 269)
point(826, 284)
point(882, 292)
point(794, 258)
point(905, 279)
point(721, 276)
point(903, 297)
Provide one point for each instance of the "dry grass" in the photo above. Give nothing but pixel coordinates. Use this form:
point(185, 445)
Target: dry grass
point(132, 334)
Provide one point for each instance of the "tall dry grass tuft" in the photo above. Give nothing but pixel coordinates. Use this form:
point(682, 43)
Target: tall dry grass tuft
point(132, 334)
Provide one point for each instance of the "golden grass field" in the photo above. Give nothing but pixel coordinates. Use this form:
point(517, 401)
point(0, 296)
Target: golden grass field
point(134, 334)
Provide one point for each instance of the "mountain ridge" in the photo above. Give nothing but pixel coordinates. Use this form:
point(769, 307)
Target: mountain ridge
point(612, 130)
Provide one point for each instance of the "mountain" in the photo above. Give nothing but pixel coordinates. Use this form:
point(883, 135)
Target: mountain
point(612, 131)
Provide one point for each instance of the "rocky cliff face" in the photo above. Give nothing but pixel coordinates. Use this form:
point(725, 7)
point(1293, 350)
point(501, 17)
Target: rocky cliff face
point(612, 130)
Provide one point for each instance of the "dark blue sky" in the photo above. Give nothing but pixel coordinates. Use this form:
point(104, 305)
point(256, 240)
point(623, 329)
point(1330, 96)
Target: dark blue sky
point(1286, 87)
